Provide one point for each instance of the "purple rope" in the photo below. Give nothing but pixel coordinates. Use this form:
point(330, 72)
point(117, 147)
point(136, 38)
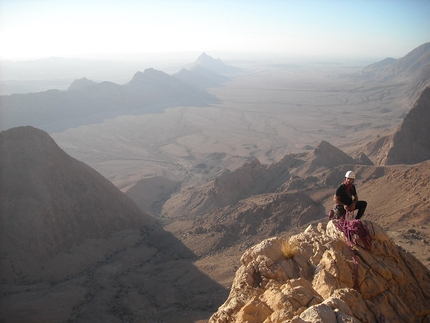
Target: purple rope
point(351, 229)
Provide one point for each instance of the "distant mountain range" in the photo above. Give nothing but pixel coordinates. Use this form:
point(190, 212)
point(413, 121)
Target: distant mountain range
point(200, 77)
point(207, 72)
point(87, 102)
point(412, 69)
point(413, 63)
point(151, 91)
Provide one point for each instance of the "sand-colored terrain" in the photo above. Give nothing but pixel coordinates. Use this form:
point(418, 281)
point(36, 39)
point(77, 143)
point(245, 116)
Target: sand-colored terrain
point(266, 113)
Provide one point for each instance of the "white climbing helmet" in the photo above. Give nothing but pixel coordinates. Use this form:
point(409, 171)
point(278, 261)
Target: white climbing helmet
point(350, 174)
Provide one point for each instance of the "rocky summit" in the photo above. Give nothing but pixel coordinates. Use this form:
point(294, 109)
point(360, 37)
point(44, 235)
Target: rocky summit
point(319, 276)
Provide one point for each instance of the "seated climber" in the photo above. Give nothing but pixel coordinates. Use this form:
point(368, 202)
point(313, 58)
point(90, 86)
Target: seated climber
point(346, 197)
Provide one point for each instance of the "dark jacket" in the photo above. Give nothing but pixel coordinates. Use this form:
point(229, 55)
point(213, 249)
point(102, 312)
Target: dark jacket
point(345, 195)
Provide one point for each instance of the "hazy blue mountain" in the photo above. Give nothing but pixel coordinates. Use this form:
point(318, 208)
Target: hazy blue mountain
point(87, 102)
point(81, 84)
point(201, 77)
point(214, 65)
point(375, 67)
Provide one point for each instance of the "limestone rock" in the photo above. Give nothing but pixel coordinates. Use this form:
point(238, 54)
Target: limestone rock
point(309, 277)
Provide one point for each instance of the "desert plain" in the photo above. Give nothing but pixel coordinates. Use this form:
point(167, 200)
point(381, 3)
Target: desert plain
point(266, 112)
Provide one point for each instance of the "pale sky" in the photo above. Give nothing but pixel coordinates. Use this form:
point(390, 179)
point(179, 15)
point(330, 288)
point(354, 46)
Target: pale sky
point(31, 29)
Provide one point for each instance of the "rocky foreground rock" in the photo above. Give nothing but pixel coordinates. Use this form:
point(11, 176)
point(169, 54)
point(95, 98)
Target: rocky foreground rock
point(310, 277)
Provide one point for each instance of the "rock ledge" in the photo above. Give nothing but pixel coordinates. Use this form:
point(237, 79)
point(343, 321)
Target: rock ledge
point(309, 277)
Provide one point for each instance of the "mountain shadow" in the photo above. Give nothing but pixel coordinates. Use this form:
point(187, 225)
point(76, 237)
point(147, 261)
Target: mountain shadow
point(74, 248)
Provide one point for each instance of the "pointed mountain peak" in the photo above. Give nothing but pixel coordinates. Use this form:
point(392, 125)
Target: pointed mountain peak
point(207, 58)
point(214, 65)
point(27, 141)
point(204, 56)
point(325, 147)
point(60, 193)
point(327, 155)
point(149, 74)
point(81, 84)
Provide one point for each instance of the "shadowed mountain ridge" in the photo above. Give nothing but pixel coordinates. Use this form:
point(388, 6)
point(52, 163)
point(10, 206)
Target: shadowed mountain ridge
point(75, 248)
point(50, 201)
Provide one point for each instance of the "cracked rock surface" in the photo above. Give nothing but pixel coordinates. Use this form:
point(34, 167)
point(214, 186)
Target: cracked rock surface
point(309, 277)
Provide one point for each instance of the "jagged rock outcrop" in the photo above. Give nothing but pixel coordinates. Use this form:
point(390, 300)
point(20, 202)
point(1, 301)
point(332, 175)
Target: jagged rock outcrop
point(249, 221)
point(327, 155)
point(230, 187)
point(410, 143)
point(291, 173)
point(250, 179)
point(309, 277)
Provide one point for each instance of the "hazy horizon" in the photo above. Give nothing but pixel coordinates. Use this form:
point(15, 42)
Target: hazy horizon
point(123, 30)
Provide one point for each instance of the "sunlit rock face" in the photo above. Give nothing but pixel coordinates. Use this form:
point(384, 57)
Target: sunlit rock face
point(316, 276)
point(409, 143)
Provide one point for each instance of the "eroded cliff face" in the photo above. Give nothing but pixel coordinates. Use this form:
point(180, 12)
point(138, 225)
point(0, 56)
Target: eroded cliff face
point(312, 277)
